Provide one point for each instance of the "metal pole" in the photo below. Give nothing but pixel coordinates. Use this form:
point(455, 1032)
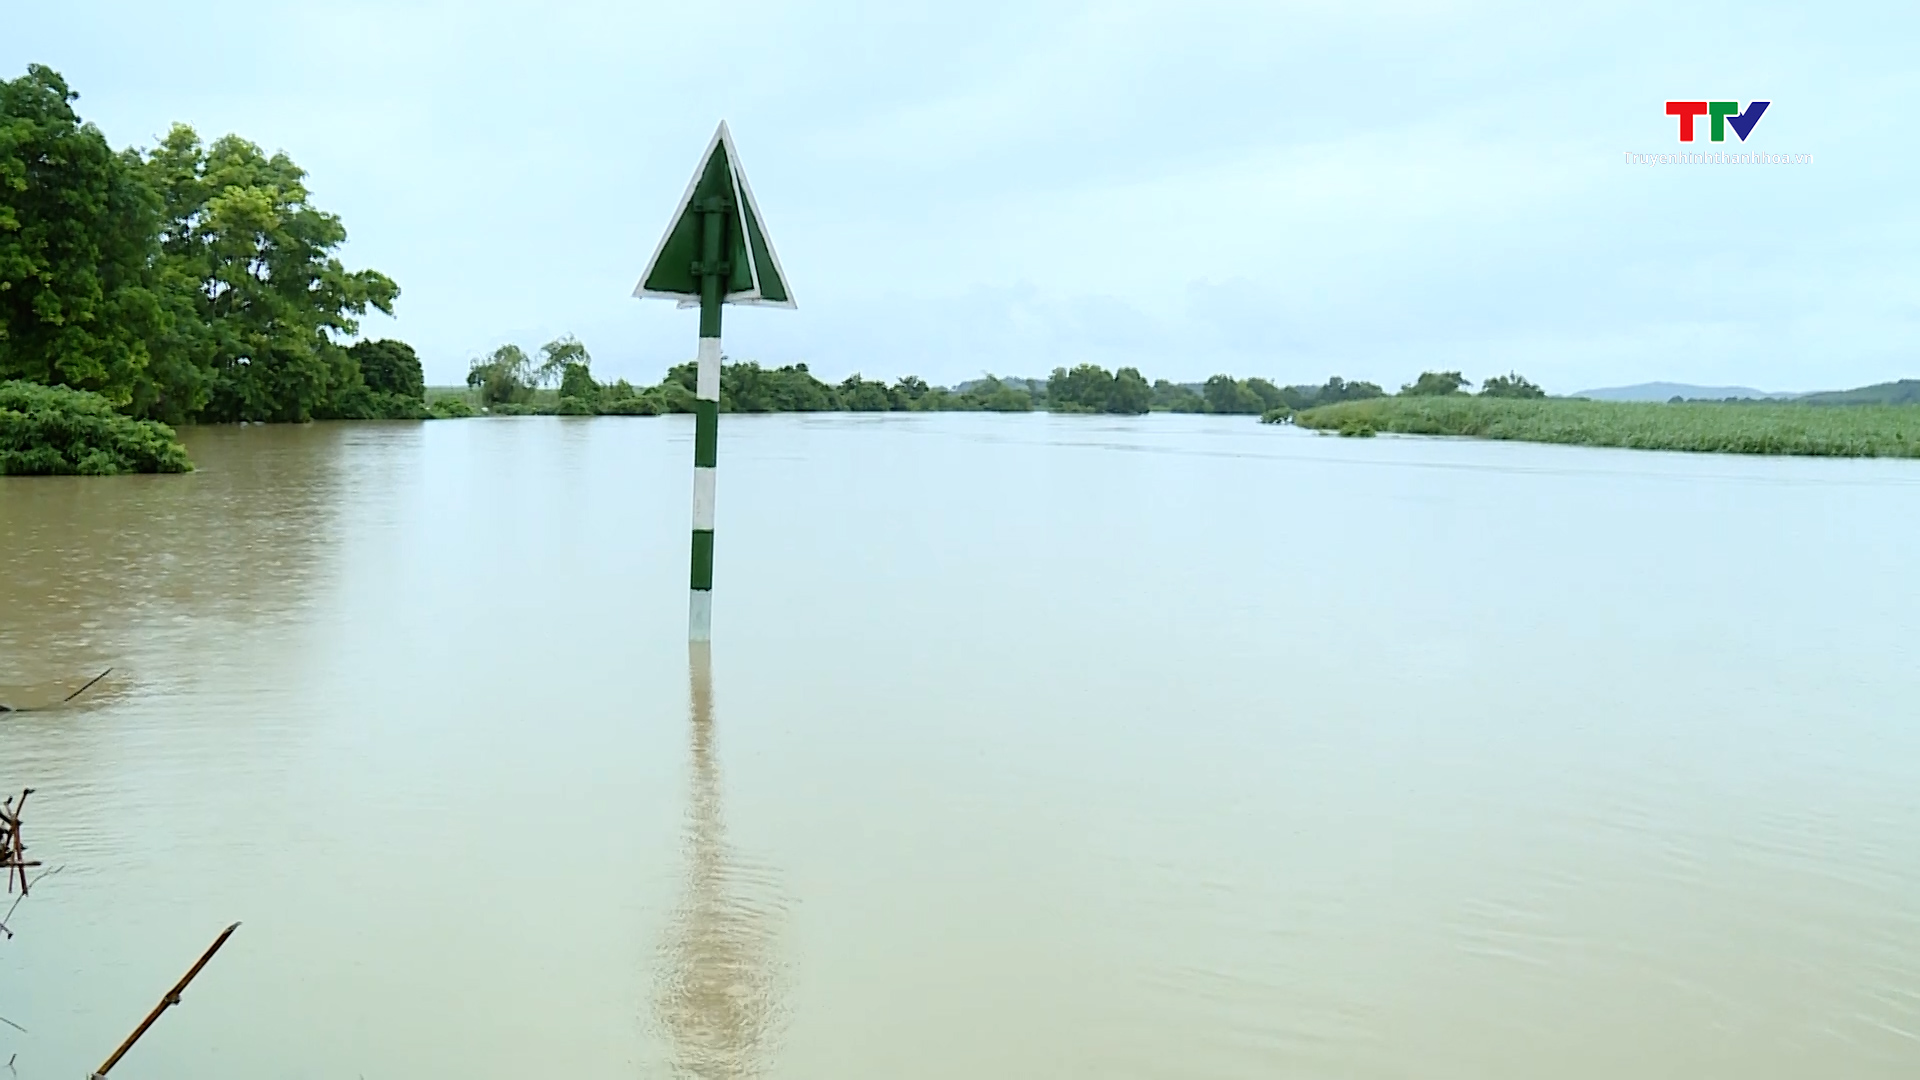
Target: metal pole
point(714, 213)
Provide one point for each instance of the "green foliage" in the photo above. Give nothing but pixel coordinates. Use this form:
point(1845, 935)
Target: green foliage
point(57, 430)
point(1510, 385)
point(1173, 397)
point(269, 295)
point(78, 303)
point(1436, 384)
point(1866, 431)
point(1334, 391)
point(1277, 415)
point(556, 357)
point(504, 376)
point(860, 395)
point(574, 406)
point(450, 408)
point(631, 406)
point(1225, 394)
point(576, 382)
point(390, 367)
point(907, 392)
point(1091, 388)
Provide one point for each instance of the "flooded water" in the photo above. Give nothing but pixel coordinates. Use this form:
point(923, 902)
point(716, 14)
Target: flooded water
point(1028, 746)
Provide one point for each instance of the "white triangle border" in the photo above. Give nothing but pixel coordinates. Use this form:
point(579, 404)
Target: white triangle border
point(748, 297)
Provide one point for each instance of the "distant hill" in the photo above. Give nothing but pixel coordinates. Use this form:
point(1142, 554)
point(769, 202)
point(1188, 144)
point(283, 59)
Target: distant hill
point(1904, 392)
point(1666, 391)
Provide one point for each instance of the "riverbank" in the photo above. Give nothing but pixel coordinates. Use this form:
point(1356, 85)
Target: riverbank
point(1701, 427)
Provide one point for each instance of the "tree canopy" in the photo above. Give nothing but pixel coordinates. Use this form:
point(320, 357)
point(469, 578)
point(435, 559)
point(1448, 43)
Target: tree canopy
point(77, 247)
point(191, 282)
point(1436, 384)
point(1510, 385)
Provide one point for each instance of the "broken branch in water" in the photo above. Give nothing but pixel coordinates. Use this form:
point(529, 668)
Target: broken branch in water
point(13, 850)
point(63, 701)
point(172, 999)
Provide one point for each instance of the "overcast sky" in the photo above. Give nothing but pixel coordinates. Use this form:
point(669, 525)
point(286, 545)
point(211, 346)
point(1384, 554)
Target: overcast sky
point(1264, 188)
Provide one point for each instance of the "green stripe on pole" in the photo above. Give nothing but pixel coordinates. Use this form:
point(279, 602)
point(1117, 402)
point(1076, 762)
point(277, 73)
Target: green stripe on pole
point(706, 434)
point(703, 560)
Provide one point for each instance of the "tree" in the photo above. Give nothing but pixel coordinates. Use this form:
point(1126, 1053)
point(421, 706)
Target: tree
point(504, 376)
point(1130, 395)
point(267, 289)
point(1175, 398)
point(1510, 385)
point(1086, 388)
point(907, 391)
point(390, 367)
point(1337, 390)
point(77, 239)
point(1225, 394)
point(576, 382)
point(1436, 384)
point(555, 356)
point(858, 395)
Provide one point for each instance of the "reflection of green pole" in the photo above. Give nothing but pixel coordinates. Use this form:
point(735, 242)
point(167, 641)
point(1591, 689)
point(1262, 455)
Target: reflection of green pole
point(712, 269)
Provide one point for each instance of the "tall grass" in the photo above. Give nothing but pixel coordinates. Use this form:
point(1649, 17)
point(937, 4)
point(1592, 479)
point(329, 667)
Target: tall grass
point(1705, 427)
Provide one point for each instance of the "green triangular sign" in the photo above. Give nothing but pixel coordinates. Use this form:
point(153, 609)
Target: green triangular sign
point(754, 275)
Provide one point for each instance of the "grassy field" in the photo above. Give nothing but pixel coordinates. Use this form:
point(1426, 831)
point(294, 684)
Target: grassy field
point(1853, 431)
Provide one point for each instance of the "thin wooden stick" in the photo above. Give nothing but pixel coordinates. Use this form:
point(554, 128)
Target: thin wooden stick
point(172, 999)
point(89, 685)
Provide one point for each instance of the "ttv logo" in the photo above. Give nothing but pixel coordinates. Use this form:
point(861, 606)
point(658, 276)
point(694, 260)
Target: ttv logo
point(1723, 115)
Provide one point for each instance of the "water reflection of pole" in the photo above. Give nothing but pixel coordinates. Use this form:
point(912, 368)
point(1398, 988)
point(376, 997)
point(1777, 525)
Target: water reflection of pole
point(717, 997)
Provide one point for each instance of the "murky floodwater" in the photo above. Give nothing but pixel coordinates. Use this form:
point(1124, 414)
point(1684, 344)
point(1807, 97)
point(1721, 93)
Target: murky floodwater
point(1029, 747)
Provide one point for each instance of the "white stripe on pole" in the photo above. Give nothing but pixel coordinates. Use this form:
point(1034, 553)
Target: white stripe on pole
point(700, 616)
point(707, 387)
point(703, 499)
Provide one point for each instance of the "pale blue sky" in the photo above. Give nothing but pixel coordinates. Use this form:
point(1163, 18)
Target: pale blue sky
point(1278, 189)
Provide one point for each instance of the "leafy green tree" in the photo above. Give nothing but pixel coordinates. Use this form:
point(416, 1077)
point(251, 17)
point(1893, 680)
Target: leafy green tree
point(856, 394)
point(576, 383)
point(1086, 388)
point(78, 300)
point(267, 287)
point(555, 355)
point(907, 391)
point(1271, 396)
point(1510, 385)
point(390, 367)
point(1436, 384)
point(1225, 394)
point(1337, 390)
point(1176, 398)
point(1130, 395)
point(503, 377)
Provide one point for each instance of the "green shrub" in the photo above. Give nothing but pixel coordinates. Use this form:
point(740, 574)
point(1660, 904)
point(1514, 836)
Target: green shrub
point(574, 406)
point(630, 406)
point(55, 431)
point(451, 408)
point(1279, 414)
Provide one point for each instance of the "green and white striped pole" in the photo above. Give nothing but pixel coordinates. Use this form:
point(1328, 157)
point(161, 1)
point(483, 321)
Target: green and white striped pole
point(716, 251)
point(706, 417)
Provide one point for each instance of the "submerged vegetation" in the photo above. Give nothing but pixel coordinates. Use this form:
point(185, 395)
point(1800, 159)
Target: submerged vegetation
point(1771, 428)
point(57, 431)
